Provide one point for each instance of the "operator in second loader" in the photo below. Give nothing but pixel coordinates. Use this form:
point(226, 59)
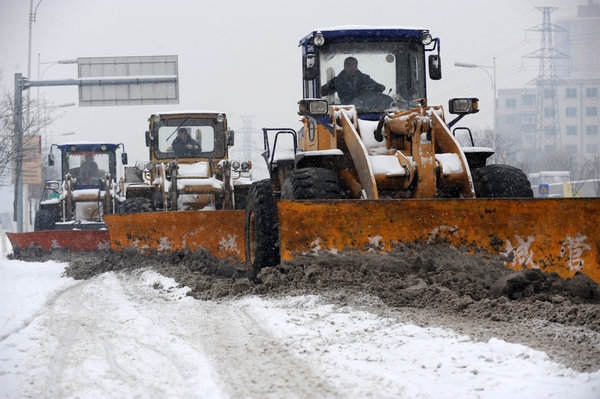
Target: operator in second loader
point(184, 145)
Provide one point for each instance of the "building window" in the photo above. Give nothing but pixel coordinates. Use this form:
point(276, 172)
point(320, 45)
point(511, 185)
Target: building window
point(571, 130)
point(571, 149)
point(591, 111)
point(591, 148)
point(528, 128)
point(591, 92)
point(511, 103)
point(571, 93)
point(549, 93)
point(549, 130)
point(548, 112)
point(591, 130)
point(528, 99)
point(571, 111)
point(528, 119)
point(529, 137)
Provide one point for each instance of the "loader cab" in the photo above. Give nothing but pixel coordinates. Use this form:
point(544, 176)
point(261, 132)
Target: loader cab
point(373, 69)
point(88, 163)
point(188, 138)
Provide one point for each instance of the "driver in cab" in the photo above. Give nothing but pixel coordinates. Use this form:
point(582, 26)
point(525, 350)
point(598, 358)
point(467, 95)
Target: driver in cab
point(184, 145)
point(89, 170)
point(351, 83)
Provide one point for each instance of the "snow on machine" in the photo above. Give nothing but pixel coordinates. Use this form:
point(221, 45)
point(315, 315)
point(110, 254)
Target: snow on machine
point(72, 210)
point(189, 194)
point(375, 165)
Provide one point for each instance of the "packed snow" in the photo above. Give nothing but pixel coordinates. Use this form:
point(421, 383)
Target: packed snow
point(137, 334)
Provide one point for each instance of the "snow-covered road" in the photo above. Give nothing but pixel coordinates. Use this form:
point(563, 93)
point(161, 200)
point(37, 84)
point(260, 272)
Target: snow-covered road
point(127, 335)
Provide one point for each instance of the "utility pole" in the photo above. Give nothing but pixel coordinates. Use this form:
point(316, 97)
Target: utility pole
point(18, 151)
point(547, 117)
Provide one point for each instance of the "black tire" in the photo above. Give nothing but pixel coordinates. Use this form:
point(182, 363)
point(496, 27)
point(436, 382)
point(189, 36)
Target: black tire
point(311, 183)
point(501, 181)
point(45, 219)
point(262, 228)
point(136, 205)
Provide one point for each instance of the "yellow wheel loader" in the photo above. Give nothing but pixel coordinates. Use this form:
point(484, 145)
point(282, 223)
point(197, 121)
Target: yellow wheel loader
point(375, 165)
point(189, 194)
point(72, 210)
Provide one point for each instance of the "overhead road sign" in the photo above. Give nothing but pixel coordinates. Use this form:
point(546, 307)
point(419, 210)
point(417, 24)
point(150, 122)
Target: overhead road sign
point(154, 80)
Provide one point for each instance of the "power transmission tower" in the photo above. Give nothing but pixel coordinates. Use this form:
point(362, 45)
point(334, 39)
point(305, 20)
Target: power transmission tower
point(548, 117)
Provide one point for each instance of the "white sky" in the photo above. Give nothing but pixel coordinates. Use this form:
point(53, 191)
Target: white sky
point(138, 335)
point(241, 57)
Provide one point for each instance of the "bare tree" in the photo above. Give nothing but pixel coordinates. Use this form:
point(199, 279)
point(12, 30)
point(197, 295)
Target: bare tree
point(41, 115)
point(503, 145)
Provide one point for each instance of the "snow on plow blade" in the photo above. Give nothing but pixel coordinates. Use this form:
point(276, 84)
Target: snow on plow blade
point(554, 235)
point(72, 240)
point(219, 232)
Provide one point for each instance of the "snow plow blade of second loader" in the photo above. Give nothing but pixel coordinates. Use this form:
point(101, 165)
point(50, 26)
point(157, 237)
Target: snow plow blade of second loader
point(220, 232)
point(553, 235)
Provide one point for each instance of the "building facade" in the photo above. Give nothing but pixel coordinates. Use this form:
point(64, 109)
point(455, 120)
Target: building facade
point(575, 93)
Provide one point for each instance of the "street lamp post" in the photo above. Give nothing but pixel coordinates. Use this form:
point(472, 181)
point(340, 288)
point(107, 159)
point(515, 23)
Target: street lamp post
point(32, 17)
point(492, 77)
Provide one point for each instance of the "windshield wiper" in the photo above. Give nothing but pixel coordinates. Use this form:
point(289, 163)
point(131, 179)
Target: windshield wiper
point(177, 128)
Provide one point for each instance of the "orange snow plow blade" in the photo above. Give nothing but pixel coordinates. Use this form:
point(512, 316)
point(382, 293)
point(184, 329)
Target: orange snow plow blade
point(72, 240)
point(554, 235)
point(219, 232)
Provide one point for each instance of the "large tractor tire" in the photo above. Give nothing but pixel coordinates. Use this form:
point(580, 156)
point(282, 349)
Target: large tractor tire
point(501, 181)
point(262, 228)
point(45, 219)
point(136, 205)
point(311, 183)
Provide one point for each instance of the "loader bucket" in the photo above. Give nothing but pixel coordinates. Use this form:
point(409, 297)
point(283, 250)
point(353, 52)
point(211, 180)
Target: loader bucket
point(554, 235)
point(72, 240)
point(219, 232)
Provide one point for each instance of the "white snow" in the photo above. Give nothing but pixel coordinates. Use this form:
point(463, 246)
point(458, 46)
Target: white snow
point(476, 149)
point(198, 169)
point(139, 335)
point(450, 163)
point(386, 165)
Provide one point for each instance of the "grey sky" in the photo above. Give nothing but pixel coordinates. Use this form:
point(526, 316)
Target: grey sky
point(241, 57)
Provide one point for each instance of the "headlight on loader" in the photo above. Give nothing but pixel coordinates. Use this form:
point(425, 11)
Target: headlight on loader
point(311, 106)
point(463, 106)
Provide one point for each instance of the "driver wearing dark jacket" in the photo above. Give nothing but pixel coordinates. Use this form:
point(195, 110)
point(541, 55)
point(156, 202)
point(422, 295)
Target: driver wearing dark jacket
point(184, 145)
point(351, 83)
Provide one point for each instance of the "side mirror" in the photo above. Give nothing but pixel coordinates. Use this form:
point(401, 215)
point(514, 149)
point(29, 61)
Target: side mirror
point(50, 159)
point(148, 138)
point(230, 138)
point(124, 158)
point(435, 67)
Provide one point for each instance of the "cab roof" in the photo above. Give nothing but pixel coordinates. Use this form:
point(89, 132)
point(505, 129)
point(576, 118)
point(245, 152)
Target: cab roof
point(359, 33)
point(88, 146)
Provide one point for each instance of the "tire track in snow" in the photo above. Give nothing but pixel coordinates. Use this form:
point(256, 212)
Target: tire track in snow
point(42, 310)
point(248, 360)
point(90, 345)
